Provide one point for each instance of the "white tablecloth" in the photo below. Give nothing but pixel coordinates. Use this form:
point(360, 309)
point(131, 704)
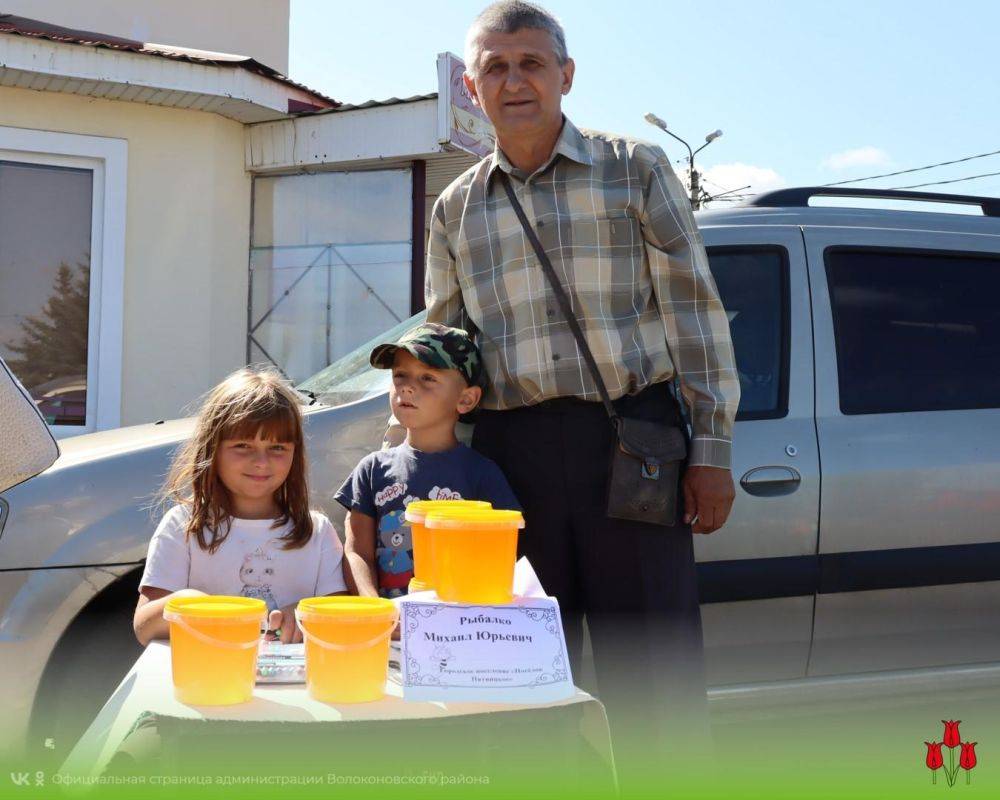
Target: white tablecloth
point(148, 688)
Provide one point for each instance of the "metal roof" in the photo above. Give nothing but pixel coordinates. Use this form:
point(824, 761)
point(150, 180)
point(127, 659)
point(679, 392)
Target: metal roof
point(377, 134)
point(22, 26)
point(392, 101)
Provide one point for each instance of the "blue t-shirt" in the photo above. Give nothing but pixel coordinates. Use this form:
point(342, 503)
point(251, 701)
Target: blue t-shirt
point(387, 481)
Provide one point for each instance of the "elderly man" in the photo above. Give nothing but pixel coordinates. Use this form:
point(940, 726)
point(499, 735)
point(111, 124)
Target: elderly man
point(614, 222)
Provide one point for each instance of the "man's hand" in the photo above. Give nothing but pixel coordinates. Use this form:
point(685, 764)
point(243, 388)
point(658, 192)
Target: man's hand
point(708, 495)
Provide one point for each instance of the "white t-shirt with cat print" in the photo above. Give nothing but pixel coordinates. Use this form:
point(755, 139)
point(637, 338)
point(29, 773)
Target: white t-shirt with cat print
point(250, 562)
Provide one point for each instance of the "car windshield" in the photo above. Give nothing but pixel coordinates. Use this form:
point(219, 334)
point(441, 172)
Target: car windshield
point(352, 378)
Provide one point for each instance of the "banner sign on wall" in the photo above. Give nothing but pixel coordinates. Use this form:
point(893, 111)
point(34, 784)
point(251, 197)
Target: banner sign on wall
point(461, 123)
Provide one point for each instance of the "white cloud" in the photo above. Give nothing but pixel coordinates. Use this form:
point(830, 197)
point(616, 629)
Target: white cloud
point(867, 156)
point(723, 177)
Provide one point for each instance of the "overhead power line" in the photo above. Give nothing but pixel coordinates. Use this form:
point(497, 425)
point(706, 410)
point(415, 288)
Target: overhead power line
point(732, 192)
point(725, 194)
point(954, 180)
point(916, 169)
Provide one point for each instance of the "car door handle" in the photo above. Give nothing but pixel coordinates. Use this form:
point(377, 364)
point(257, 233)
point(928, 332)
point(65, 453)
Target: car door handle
point(770, 481)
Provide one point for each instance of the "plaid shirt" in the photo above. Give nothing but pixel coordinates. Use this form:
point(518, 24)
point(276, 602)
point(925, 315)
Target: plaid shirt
point(615, 222)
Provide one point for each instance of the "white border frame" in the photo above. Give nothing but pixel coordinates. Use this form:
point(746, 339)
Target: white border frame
point(107, 158)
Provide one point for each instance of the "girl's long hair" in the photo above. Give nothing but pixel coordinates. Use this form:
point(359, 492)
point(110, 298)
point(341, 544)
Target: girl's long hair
point(248, 402)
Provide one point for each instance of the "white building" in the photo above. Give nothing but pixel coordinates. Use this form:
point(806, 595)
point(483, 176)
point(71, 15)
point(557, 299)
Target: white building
point(169, 214)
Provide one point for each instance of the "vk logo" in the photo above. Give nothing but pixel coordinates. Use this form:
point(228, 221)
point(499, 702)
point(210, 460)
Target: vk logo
point(24, 778)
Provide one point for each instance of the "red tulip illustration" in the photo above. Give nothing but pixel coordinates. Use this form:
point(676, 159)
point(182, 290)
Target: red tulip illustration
point(934, 759)
point(968, 758)
point(952, 740)
point(951, 737)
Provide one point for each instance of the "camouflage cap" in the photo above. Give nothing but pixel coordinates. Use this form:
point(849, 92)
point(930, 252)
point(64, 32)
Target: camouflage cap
point(436, 346)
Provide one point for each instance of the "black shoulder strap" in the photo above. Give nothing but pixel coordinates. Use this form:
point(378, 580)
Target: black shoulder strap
point(561, 296)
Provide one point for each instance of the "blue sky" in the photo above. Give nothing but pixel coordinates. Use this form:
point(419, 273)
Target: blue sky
point(805, 92)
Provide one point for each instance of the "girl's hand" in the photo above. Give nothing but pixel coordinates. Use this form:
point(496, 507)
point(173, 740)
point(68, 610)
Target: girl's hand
point(283, 621)
point(148, 622)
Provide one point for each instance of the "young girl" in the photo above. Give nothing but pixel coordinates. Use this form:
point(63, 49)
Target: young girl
point(241, 524)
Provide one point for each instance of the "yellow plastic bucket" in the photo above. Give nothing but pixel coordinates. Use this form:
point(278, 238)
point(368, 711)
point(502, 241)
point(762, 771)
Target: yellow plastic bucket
point(347, 646)
point(475, 551)
point(213, 647)
point(423, 543)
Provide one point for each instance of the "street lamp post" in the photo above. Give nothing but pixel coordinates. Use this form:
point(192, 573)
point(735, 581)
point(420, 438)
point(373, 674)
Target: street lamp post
point(694, 185)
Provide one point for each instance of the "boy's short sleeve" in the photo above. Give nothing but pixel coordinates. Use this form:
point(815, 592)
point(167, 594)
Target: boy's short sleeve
point(330, 577)
point(168, 561)
point(493, 486)
point(357, 492)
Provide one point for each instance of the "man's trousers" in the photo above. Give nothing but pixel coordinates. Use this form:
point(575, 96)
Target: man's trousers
point(635, 583)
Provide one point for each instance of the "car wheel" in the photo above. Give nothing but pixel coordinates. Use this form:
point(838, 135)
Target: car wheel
point(86, 666)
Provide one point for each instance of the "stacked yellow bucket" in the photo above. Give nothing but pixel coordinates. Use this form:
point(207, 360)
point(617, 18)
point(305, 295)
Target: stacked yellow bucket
point(464, 550)
point(424, 564)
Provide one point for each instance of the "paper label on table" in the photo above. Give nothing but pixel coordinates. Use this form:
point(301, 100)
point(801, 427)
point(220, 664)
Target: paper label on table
point(499, 654)
point(281, 663)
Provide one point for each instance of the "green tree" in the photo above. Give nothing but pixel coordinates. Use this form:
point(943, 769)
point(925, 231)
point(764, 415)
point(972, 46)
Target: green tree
point(53, 343)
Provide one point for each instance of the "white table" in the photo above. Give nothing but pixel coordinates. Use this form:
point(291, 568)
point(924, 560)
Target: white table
point(147, 689)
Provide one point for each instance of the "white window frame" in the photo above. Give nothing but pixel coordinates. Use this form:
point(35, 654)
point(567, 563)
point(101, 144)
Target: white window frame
point(107, 159)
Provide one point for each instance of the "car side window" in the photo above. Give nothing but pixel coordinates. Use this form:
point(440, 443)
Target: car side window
point(753, 286)
point(915, 330)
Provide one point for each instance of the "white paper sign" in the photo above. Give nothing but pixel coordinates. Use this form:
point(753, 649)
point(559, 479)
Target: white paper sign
point(500, 654)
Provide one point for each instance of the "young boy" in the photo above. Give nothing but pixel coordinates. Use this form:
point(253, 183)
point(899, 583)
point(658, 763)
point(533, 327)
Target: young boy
point(436, 377)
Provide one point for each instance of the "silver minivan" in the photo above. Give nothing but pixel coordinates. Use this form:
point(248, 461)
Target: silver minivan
point(865, 537)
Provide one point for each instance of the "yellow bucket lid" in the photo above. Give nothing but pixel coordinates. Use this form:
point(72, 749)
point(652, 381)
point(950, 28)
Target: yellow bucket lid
point(418, 510)
point(344, 606)
point(451, 511)
point(221, 607)
point(479, 519)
